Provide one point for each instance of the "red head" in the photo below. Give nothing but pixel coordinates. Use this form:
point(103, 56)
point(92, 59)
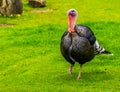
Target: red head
point(72, 15)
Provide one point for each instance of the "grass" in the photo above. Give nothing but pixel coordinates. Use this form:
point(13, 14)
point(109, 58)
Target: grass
point(30, 58)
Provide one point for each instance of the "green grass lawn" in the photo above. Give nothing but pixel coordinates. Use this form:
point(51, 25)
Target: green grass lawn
point(30, 58)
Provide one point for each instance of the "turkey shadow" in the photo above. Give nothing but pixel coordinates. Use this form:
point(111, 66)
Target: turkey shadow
point(96, 76)
point(87, 76)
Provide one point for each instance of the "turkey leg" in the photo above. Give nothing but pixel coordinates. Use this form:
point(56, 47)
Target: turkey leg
point(70, 69)
point(80, 71)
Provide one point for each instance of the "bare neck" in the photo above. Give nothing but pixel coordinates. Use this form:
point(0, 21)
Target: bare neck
point(71, 23)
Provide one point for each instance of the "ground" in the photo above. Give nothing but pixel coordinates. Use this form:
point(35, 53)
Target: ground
point(30, 58)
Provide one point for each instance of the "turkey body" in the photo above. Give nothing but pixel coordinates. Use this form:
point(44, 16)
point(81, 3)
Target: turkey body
point(79, 45)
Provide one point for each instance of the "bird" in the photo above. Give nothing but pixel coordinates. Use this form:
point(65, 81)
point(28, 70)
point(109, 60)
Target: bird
point(79, 44)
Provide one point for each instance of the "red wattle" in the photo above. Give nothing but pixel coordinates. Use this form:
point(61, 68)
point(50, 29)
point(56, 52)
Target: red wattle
point(71, 23)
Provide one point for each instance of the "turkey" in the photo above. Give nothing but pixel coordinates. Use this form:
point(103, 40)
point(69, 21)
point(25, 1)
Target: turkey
point(79, 44)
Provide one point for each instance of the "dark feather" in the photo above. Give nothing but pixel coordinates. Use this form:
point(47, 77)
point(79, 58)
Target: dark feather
point(78, 46)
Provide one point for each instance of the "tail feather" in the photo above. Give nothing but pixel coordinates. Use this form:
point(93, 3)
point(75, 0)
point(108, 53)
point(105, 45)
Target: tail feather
point(101, 50)
point(106, 52)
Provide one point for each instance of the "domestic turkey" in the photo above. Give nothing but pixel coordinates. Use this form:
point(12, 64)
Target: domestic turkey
point(79, 44)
